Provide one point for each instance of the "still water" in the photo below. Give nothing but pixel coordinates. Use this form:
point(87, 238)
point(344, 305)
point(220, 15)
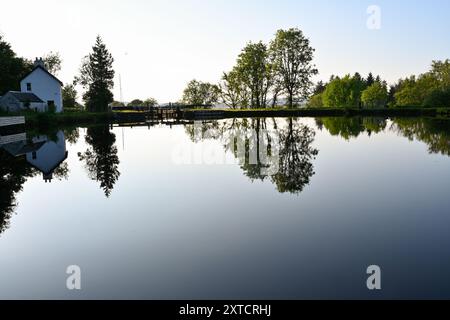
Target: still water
point(233, 209)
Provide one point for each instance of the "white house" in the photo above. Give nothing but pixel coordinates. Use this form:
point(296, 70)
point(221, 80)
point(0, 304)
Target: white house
point(38, 83)
point(44, 85)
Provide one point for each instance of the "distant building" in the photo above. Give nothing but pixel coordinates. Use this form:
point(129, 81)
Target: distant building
point(40, 91)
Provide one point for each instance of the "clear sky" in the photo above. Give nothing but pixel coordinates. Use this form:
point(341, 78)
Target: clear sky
point(159, 46)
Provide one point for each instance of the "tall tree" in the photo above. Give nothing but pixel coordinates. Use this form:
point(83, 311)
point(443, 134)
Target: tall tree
point(69, 95)
point(256, 71)
point(12, 68)
point(293, 61)
point(97, 78)
point(370, 80)
point(233, 91)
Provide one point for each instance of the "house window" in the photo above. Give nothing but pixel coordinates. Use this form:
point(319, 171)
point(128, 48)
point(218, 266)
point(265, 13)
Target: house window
point(28, 86)
point(34, 155)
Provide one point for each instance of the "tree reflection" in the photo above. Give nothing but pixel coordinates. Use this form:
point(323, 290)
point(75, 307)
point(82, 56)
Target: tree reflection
point(435, 132)
point(101, 159)
point(296, 155)
point(13, 174)
point(287, 144)
point(351, 127)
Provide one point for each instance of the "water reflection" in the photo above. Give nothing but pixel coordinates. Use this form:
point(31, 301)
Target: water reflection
point(289, 137)
point(22, 158)
point(435, 132)
point(351, 127)
point(101, 159)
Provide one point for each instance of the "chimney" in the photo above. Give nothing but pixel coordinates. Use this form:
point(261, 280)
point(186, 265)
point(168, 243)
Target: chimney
point(39, 62)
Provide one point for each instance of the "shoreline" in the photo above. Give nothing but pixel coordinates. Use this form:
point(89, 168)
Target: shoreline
point(43, 120)
point(314, 112)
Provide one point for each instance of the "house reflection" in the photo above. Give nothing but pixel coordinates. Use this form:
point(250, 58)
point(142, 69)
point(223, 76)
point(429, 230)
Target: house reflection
point(41, 152)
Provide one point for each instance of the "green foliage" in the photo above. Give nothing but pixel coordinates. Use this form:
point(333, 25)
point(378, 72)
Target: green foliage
point(375, 96)
point(316, 101)
point(201, 93)
point(53, 62)
point(438, 99)
point(117, 104)
point(151, 102)
point(69, 95)
point(97, 77)
point(370, 80)
point(428, 89)
point(256, 72)
point(293, 55)
point(233, 91)
point(344, 92)
point(12, 68)
point(136, 103)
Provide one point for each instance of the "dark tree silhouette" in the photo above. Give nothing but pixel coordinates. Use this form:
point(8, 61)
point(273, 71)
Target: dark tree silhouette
point(101, 159)
point(13, 174)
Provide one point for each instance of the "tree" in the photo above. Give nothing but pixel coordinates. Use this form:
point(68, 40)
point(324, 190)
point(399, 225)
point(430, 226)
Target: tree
point(319, 88)
point(343, 93)
point(233, 91)
point(12, 68)
point(136, 103)
point(201, 93)
point(316, 101)
point(440, 70)
point(296, 155)
point(101, 159)
point(438, 99)
point(370, 80)
point(69, 95)
point(151, 102)
point(375, 96)
point(256, 72)
point(293, 57)
point(117, 104)
point(429, 89)
point(413, 92)
point(97, 78)
point(53, 62)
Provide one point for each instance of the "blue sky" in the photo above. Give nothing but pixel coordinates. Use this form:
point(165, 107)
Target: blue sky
point(160, 45)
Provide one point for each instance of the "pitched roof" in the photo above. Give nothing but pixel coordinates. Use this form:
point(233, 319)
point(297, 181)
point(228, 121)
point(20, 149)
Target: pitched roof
point(25, 96)
point(46, 71)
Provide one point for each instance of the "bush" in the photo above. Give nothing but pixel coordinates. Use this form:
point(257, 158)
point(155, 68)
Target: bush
point(316, 101)
point(438, 99)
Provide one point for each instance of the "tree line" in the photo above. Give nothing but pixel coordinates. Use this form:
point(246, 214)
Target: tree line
point(431, 89)
point(262, 73)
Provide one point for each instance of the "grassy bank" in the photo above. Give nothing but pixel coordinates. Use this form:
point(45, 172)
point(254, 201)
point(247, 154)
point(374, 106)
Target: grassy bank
point(312, 112)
